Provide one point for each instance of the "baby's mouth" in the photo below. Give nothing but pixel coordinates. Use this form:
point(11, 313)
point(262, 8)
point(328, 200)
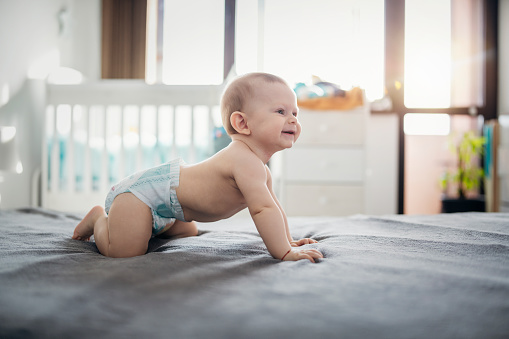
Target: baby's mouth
point(289, 132)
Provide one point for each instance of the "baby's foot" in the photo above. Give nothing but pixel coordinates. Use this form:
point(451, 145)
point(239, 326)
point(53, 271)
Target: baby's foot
point(85, 228)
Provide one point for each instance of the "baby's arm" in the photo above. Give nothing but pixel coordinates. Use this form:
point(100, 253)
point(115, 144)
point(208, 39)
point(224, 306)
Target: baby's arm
point(251, 178)
point(293, 243)
point(269, 186)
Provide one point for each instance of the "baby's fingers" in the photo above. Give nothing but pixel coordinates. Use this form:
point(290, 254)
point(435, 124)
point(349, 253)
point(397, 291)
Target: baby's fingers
point(304, 241)
point(312, 254)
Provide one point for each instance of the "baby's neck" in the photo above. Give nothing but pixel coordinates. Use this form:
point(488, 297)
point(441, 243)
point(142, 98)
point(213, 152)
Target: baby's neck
point(262, 154)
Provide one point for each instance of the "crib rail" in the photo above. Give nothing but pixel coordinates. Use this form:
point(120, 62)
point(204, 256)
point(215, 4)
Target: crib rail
point(97, 133)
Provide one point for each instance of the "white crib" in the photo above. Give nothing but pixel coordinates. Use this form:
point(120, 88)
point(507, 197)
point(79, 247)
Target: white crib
point(97, 133)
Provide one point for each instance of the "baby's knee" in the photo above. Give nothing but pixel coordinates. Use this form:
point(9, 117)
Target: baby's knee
point(181, 229)
point(128, 249)
point(192, 229)
point(98, 211)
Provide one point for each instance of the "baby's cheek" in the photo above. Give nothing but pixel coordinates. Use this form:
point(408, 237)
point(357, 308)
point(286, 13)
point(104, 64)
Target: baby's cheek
point(299, 129)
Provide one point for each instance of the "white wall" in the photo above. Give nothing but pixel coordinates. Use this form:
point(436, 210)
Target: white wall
point(30, 30)
point(31, 33)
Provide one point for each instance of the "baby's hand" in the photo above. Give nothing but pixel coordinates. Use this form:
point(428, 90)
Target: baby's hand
point(304, 241)
point(299, 254)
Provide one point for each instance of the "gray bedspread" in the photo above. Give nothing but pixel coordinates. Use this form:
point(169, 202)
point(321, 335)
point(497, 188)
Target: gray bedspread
point(441, 276)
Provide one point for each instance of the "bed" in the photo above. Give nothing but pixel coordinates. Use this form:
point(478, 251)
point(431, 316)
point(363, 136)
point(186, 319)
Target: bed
point(395, 276)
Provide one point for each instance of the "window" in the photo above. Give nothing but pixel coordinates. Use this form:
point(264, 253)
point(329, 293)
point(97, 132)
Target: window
point(192, 42)
point(443, 55)
point(340, 41)
point(427, 124)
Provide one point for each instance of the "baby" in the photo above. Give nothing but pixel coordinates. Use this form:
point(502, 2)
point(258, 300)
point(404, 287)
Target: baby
point(259, 112)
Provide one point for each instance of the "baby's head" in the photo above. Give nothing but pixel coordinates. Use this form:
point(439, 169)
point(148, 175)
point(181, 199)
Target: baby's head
point(239, 91)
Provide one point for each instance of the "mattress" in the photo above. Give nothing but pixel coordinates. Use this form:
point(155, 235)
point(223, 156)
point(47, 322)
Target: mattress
point(395, 276)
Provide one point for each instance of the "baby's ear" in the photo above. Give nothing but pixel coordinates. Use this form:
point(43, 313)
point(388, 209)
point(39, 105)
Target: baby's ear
point(239, 123)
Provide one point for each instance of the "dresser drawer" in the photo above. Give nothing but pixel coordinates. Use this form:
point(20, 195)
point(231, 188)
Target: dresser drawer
point(332, 127)
point(319, 164)
point(320, 200)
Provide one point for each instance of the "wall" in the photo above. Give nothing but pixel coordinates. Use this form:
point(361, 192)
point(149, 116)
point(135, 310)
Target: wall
point(64, 32)
point(36, 36)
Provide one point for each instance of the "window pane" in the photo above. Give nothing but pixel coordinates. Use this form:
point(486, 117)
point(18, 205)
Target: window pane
point(427, 53)
point(193, 42)
point(341, 41)
point(426, 124)
point(442, 53)
point(246, 36)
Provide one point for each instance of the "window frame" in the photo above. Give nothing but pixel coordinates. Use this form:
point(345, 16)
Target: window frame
point(394, 75)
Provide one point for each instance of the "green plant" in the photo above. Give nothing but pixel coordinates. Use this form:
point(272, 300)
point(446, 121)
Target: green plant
point(467, 175)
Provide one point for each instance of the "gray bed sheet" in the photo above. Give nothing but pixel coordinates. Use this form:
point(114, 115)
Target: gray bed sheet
point(440, 276)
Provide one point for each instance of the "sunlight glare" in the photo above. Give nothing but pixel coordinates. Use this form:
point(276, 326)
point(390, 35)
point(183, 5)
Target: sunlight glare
point(340, 41)
point(428, 53)
point(427, 124)
point(193, 42)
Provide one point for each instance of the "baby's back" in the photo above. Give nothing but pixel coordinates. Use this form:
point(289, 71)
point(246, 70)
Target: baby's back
point(207, 190)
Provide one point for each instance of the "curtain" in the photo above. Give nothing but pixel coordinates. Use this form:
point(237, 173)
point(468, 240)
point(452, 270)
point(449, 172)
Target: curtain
point(123, 39)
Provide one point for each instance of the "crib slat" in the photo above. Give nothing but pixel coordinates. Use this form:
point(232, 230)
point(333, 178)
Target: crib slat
point(157, 157)
point(47, 155)
point(71, 144)
point(174, 134)
point(122, 145)
point(103, 187)
point(87, 171)
point(139, 150)
point(192, 146)
point(55, 150)
point(44, 163)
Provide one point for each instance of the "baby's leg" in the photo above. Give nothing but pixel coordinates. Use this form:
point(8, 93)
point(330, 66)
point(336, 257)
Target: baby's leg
point(125, 232)
point(127, 229)
point(85, 228)
point(180, 229)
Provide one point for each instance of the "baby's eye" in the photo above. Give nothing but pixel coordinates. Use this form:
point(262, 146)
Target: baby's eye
point(295, 114)
point(280, 111)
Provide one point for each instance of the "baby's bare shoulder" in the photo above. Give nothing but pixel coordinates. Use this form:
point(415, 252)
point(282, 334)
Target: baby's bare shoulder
point(237, 153)
point(238, 162)
point(243, 158)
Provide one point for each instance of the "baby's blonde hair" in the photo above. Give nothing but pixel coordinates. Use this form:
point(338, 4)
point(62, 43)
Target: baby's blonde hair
point(238, 91)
